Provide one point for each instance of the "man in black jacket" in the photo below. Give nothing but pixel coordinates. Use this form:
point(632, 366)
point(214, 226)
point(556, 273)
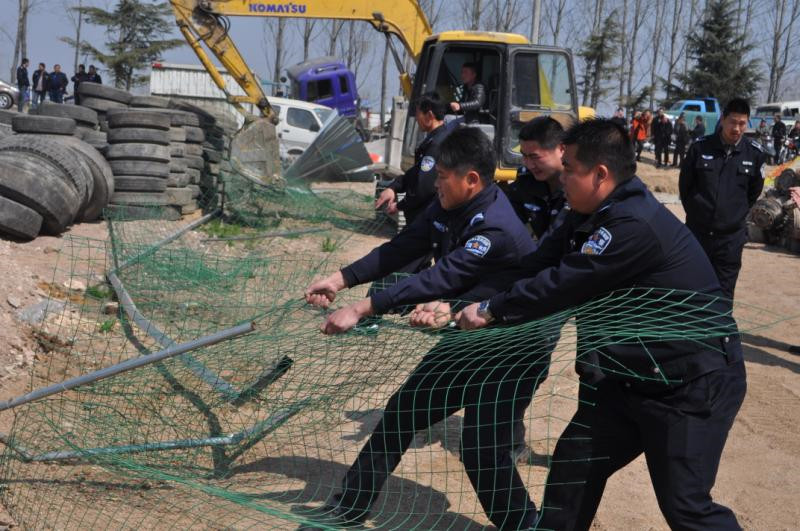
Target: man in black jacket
point(473, 94)
point(93, 76)
point(662, 136)
point(478, 241)
point(79, 77)
point(778, 136)
point(719, 182)
point(23, 84)
point(40, 79)
point(674, 401)
point(57, 85)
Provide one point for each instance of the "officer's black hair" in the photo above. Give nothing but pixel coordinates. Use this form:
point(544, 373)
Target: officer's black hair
point(471, 65)
point(468, 148)
point(432, 102)
point(601, 141)
point(737, 106)
point(544, 130)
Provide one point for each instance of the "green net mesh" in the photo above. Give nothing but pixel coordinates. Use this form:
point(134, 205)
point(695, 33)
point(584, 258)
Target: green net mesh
point(257, 430)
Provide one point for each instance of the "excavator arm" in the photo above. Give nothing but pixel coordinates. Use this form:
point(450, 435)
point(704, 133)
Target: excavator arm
point(204, 21)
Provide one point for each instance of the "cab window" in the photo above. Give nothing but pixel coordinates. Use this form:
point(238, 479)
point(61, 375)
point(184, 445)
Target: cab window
point(541, 80)
point(343, 88)
point(320, 89)
point(300, 118)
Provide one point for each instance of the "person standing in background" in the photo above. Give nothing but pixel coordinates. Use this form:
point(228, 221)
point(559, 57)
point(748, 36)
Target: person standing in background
point(79, 77)
point(699, 129)
point(681, 140)
point(57, 85)
point(93, 76)
point(23, 84)
point(40, 78)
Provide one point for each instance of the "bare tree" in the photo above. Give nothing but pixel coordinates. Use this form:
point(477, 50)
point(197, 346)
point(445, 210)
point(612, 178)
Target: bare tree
point(384, 71)
point(507, 15)
point(783, 18)
point(675, 46)
point(21, 41)
point(636, 22)
point(354, 49)
point(555, 16)
point(655, 42)
point(471, 13)
point(432, 10)
point(334, 30)
point(308, 32)
point(273, 39)
point(624, 65)
point(693, 13)
point(72, 9)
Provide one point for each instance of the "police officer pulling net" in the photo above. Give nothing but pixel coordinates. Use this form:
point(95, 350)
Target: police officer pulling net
point(477, 238)
point(619, 236)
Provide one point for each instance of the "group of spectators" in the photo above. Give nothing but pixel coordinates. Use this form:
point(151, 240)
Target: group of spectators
point(777, 135)
point(42, 84)
point(661, 132)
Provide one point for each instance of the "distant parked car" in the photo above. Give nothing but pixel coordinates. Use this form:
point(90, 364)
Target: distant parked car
point(8, 95)
point(299, 123)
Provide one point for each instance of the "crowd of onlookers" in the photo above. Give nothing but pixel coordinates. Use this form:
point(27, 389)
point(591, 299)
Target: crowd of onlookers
point(35, 88)
point(774, 138)
point(659, 131)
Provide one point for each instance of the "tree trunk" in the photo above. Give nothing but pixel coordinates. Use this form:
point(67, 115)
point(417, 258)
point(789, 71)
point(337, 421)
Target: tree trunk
point(278, 65)
point(674, 55)
point(637, 24)
point(336, 29)
point(781, 42)
point(78, 37)
point(476, 15)
point(536, 18)
point(656, 45)
point(308, 29)
point(384, 70)
point(559, 16)
point(623, 54)
point(21, 42)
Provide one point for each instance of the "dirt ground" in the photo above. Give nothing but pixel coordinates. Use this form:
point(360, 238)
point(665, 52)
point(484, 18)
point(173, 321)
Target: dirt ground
point(761, 463)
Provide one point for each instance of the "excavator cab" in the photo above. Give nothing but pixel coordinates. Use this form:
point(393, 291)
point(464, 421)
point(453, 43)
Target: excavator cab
point(521, 82)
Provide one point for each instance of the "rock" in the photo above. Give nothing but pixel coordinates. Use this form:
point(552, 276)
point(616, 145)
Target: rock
point(74, 284)
point(48, 250)
point(14, 302)
point(36, 313)
point(111, 308)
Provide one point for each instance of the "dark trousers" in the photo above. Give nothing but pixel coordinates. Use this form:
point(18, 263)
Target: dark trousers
point(724, 251)
point(38, 97)
point(639, 148)
point(682, 434)
point(57, 96)
point(493, 388)
point(662, 149)
point(679, 154)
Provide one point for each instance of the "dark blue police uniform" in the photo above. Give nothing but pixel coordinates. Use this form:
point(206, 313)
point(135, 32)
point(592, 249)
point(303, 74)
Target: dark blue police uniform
point(681, 416)
point(418, 182)
point(474, 245)
point(718, 185)
point(535, 203)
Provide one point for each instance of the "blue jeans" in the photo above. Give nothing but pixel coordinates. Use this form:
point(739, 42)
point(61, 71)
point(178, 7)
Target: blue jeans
point(24, 96)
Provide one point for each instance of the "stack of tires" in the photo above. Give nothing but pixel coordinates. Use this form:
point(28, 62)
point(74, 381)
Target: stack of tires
point(139, 155)
point(86, 121)
point(102, 99)
point(5, 122)
point(49, 179)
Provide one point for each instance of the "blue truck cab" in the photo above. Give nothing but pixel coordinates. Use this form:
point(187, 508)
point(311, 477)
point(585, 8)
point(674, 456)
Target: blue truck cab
point(707, 108)
point(325, 81)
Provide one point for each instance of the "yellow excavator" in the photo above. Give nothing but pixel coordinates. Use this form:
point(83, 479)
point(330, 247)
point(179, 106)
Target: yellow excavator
point(522, 81)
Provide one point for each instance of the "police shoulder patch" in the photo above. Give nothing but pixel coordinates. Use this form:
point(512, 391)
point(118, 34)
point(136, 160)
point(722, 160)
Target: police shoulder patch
point(478, 245)
point(441, 227)
point(757, 145)
point(427, 163)
point(597, 242)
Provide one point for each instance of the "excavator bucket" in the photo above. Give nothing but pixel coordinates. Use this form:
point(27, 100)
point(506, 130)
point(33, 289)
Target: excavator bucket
point(255, 150)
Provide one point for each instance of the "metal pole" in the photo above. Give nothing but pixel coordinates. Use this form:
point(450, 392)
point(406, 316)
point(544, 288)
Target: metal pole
point(537, 15)
point(129, 365)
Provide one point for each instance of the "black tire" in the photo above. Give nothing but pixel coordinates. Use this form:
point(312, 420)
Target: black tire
point(103, 92)
point(138, 167)
point(212, 155)
point(218, 145)
point(151, 102)
point(138, 118)
point(102, 175)
point(194, 175)
point(101, 105)
point(194, 135)
point(177, 134)
point(139, 199)
point(83, 116)
point(5, 130)
point(74, 169)
point(177, 150)
point(177, 180)
point(194, 162)
point(177, 165)
point(18, 220)
point(132, 212)
point(6, 115)
point(143, 152)
point(130, 183)
point(178, 196)
point(193, 150)
point(139, 135)
point(182, 118)
point(43, 125)
point(40, 186)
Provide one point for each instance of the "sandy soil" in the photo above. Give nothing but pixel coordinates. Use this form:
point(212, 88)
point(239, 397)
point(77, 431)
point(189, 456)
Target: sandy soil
point(758, 475)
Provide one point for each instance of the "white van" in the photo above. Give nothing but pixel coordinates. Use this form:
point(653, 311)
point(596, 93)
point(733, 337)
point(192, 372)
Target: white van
point(299, 123)
point(787, 109)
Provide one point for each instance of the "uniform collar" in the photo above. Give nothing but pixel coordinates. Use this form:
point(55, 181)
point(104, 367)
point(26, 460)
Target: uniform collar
point(632, 187)
point(718, 144)
point(478, 204)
